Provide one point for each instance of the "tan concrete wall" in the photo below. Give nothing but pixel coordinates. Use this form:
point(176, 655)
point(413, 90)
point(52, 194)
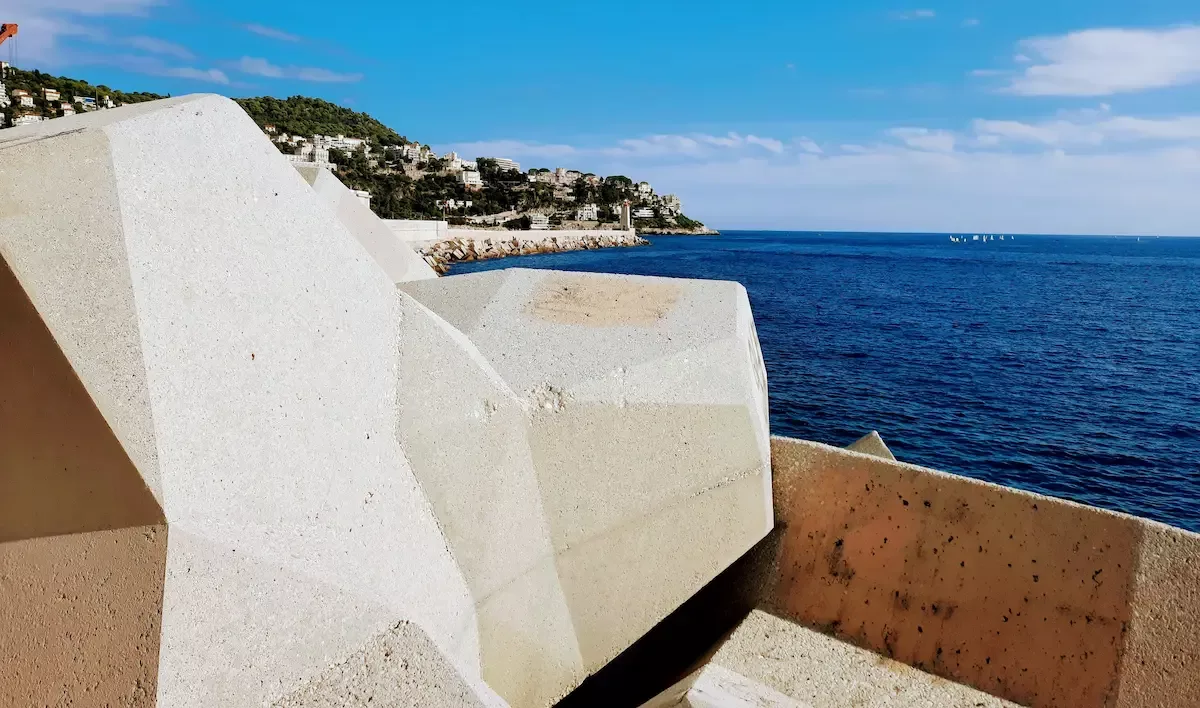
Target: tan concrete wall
point(1037, 600)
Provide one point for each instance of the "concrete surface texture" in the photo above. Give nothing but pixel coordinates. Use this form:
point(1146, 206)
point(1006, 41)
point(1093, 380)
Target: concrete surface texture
point(620, 430)
point(239, 467)
point(1036, 600)
point(397, 259)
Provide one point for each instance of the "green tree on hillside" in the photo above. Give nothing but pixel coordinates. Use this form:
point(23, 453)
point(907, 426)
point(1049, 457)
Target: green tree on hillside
point(301, 115)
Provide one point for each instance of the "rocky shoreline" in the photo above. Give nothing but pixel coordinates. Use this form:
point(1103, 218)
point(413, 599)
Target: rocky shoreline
point(492, 244)
point(679, 232)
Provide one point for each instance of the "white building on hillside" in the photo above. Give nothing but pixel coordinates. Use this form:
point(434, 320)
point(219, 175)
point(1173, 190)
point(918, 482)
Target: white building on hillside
point(416, 152)
point(643, 213)
point(672, 205)
point(470, 179)
point(540, 222)
point(587, 212)
point(644, 188)
point(67, 109)
point(312, 155)
point(88, 102)
point(50, 94)
point(454, 204)
point(506, 164)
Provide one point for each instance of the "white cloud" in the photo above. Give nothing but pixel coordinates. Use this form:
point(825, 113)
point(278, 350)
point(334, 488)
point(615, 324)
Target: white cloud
point(1090, 128)
point(1143, 192)
point(970, 22)
point(922, 14)
point(1102, 62)
point(989, 72)
point(1087, 171)
point(925, 139)
point(770, 144)
point(45, 23)
point(271, 32)
point(257, 66)
point(215, 76)
point(809, 145)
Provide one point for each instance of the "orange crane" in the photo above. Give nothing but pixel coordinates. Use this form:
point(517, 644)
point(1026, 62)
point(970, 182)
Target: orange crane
point(7, 30)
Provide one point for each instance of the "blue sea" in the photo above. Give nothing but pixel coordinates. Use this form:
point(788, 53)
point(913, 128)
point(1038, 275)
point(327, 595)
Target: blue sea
point(1068, 366)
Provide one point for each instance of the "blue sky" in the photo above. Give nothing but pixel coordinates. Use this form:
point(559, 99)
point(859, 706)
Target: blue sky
point(970, 115)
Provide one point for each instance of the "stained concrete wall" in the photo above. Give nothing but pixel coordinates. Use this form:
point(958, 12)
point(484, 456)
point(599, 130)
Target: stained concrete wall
point(1037, 600)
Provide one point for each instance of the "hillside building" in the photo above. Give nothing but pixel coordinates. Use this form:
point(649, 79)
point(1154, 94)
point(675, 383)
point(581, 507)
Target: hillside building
point(51, 95)
point(539, 222)
point(470, 179)
point(506, 164)
point(587, 212)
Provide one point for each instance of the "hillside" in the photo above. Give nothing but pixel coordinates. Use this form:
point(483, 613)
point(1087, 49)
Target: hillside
point(300, 115)
point(34, 81)
point(408, 180)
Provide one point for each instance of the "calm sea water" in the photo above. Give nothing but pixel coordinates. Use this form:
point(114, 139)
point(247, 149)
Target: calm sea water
point(1063, 365)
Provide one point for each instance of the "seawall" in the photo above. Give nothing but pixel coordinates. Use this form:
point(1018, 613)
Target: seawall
point(462, 245)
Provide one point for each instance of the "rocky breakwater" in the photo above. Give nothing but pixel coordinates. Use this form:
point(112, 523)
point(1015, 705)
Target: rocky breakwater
point(475, 245)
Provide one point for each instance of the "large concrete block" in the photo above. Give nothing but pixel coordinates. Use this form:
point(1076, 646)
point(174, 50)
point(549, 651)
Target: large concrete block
point(223, 428)
point(398, 260)
point(630, 415)
point(191, 340)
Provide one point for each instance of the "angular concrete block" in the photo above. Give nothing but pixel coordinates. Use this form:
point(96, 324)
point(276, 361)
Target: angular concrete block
point(398, 260)
point(631, 415)
point(222, 424)
point(871, 444)
point(191, 338)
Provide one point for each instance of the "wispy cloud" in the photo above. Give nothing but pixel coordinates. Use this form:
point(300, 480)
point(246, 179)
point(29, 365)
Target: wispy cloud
point(45, 23)
point(215, 76)
point(1094, 128)
point(1102, 62)
point(257, 66)
point(271, 32)
point(922, 14)
point(925, 139)
point(809, 145)
point(1089, 171)
point(970, 22)
point(160, 46)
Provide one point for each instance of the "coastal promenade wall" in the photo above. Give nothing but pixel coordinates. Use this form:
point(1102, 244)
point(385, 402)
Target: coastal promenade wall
point(1038, 600)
